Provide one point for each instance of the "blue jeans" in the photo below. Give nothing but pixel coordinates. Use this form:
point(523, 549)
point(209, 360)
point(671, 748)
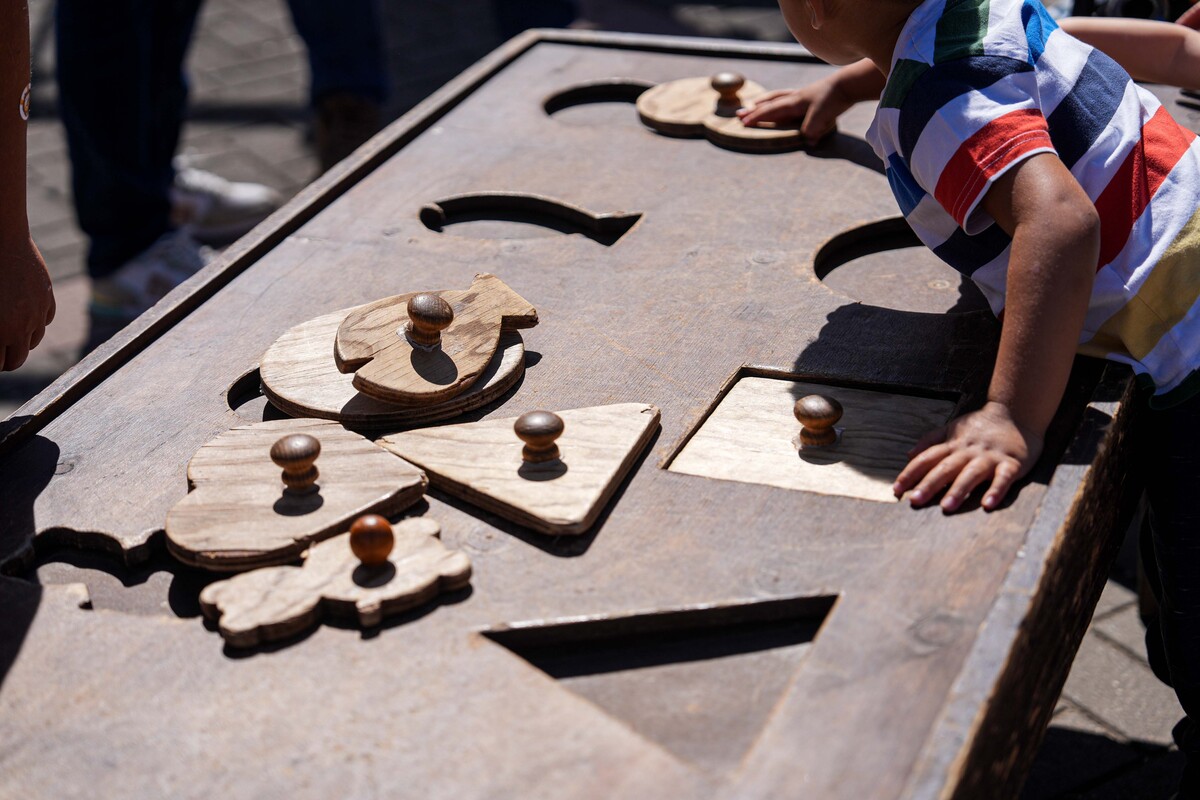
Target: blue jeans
point(123, 97)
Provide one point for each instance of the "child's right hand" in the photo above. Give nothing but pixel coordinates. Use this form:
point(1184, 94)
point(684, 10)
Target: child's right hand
point(28, 302)
point(815, 108)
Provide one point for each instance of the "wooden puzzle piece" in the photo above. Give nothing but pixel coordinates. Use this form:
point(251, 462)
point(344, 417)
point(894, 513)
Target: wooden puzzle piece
point(853, 442)
point(417, 350)
point(554, 473)
point(403, 568)
point(694, 107)
point(300, 378)
point(240, 515)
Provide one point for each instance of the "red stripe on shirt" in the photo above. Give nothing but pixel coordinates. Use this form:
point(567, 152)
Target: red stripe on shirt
point(987, 152)
point(1127, 195)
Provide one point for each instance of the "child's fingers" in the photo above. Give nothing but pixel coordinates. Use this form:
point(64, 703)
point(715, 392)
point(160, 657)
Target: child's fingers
point(1006, 475)
point(939, 478)
point(818, 123)
point(935, 436)
point(780, 107)
point(36, 338)
point(918, 468)
point(977, 471)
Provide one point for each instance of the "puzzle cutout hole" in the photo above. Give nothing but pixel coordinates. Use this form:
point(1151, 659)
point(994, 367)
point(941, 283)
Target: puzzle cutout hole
point(700, 682)
point(884, 264)
point(604, 103)
point(750, 437)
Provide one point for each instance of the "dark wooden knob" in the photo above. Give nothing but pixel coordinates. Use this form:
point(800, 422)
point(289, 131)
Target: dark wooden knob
point(728, 84)
point(428, 316)
point(818, 414)
point(297, 454)
point(539, 430)
point(371, 539)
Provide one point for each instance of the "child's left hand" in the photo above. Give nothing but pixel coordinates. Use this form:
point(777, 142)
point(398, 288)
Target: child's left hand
point(985, 445)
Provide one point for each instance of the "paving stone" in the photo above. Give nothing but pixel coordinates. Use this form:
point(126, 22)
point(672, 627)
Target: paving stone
point(1115, 597)
point(1076, 752)
point(1124, 628)
point(1122, 692)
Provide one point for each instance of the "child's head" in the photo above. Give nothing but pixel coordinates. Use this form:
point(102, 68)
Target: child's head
point(844, 31)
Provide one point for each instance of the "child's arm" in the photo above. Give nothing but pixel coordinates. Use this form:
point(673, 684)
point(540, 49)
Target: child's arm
point(1158, 52)
point(1056, 241)
point(26, 298)
point(819, 104)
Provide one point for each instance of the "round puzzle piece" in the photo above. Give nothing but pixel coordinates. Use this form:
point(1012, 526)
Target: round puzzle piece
point(241, 513)
point(299, 377)
point(691, 107)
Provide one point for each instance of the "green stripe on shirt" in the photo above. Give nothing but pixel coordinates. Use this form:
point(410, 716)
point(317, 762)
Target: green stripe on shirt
point(961, 30)
point(900, 81)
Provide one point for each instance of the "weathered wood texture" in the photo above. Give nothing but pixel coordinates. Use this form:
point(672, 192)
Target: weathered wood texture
point(481, 462)
point(278, 602)
point(752, 437)
point(718, 274)
point(372, 343)
point(239, 516)
point(300, 377)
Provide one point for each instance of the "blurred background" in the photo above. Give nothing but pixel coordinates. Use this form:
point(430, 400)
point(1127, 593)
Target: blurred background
point(249, 119)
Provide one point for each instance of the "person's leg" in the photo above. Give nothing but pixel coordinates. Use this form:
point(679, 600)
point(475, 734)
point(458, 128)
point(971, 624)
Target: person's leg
point(1172, 463)
point(122, 96)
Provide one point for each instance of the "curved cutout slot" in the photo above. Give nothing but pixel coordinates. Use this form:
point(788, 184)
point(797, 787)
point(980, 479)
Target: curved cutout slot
point(246, 399)
point(609, 90)
point(885, 264)
point(523, 211)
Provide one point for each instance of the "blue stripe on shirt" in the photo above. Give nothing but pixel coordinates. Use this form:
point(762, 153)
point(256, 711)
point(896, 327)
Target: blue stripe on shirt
point(904, 186)
point(967, 254)
point(1038, 27)
point(942, 84)
point(1088, 109)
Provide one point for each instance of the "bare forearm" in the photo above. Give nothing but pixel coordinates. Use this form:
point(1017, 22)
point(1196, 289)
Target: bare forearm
point(1157, 52)
point(14, 77)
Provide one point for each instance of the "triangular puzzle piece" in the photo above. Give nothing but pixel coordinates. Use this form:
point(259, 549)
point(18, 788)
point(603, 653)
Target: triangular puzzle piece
point(481, 462)
point(372, 342)
point(278, 602)
point(239, 516)
point(694, 107)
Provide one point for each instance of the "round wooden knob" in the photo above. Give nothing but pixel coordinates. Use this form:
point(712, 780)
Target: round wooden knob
point(728, 84)
point(297, 453)
point(818, 414)
point(539, 430)
point(371, 539)
point(428, 316)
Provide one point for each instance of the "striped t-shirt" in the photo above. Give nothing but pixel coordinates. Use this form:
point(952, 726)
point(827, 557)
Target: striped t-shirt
point(975, 87)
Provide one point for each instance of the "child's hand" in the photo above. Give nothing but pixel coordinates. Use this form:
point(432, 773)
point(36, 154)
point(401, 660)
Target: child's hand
point(985, 445)
point(815, 108)
point(28, 302)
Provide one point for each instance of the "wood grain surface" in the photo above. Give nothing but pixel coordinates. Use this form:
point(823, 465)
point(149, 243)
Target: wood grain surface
point(689, 107)
point(279, 602)
point(751, 437)
point(937, 663)
point(481, 462)
point(370, 342)
point(238, 516)
point(300, 378)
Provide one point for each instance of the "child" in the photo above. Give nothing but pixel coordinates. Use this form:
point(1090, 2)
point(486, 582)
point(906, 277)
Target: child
point(26, 299)
point(1030, 161)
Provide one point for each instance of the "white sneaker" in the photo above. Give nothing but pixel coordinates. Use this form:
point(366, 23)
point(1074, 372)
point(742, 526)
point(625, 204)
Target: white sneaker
point(120, 298)
point(216, 211)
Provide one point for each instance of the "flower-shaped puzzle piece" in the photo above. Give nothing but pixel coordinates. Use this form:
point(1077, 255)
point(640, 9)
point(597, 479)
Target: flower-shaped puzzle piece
point(694, 107)
point(278, 602)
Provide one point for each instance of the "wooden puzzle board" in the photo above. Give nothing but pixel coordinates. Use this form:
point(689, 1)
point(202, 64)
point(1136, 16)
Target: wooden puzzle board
point(941, 641)
point(751, 434)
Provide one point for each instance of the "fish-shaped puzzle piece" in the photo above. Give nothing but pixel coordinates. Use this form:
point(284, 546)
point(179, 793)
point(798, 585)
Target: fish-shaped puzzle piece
point(694, 107)
point(341, 580)
point(417, 350)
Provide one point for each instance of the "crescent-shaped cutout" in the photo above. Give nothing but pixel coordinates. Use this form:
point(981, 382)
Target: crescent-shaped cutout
point(609, 90)
point(529, 209)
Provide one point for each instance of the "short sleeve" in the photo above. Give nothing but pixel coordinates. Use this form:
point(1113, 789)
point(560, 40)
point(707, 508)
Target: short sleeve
point(964, 124)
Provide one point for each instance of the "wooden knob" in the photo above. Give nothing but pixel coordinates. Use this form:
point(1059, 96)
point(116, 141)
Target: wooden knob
point(297, 453)
point(371, 539)
point(538, 430)
point(428, 316)
point(728, 84)
point(818, 414)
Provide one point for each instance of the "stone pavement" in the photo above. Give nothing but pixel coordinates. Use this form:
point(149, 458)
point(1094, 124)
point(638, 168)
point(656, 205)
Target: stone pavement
point(1111, 733)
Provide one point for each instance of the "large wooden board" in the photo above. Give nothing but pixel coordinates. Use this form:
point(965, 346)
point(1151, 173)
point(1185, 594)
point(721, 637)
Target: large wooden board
point(943, 639)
